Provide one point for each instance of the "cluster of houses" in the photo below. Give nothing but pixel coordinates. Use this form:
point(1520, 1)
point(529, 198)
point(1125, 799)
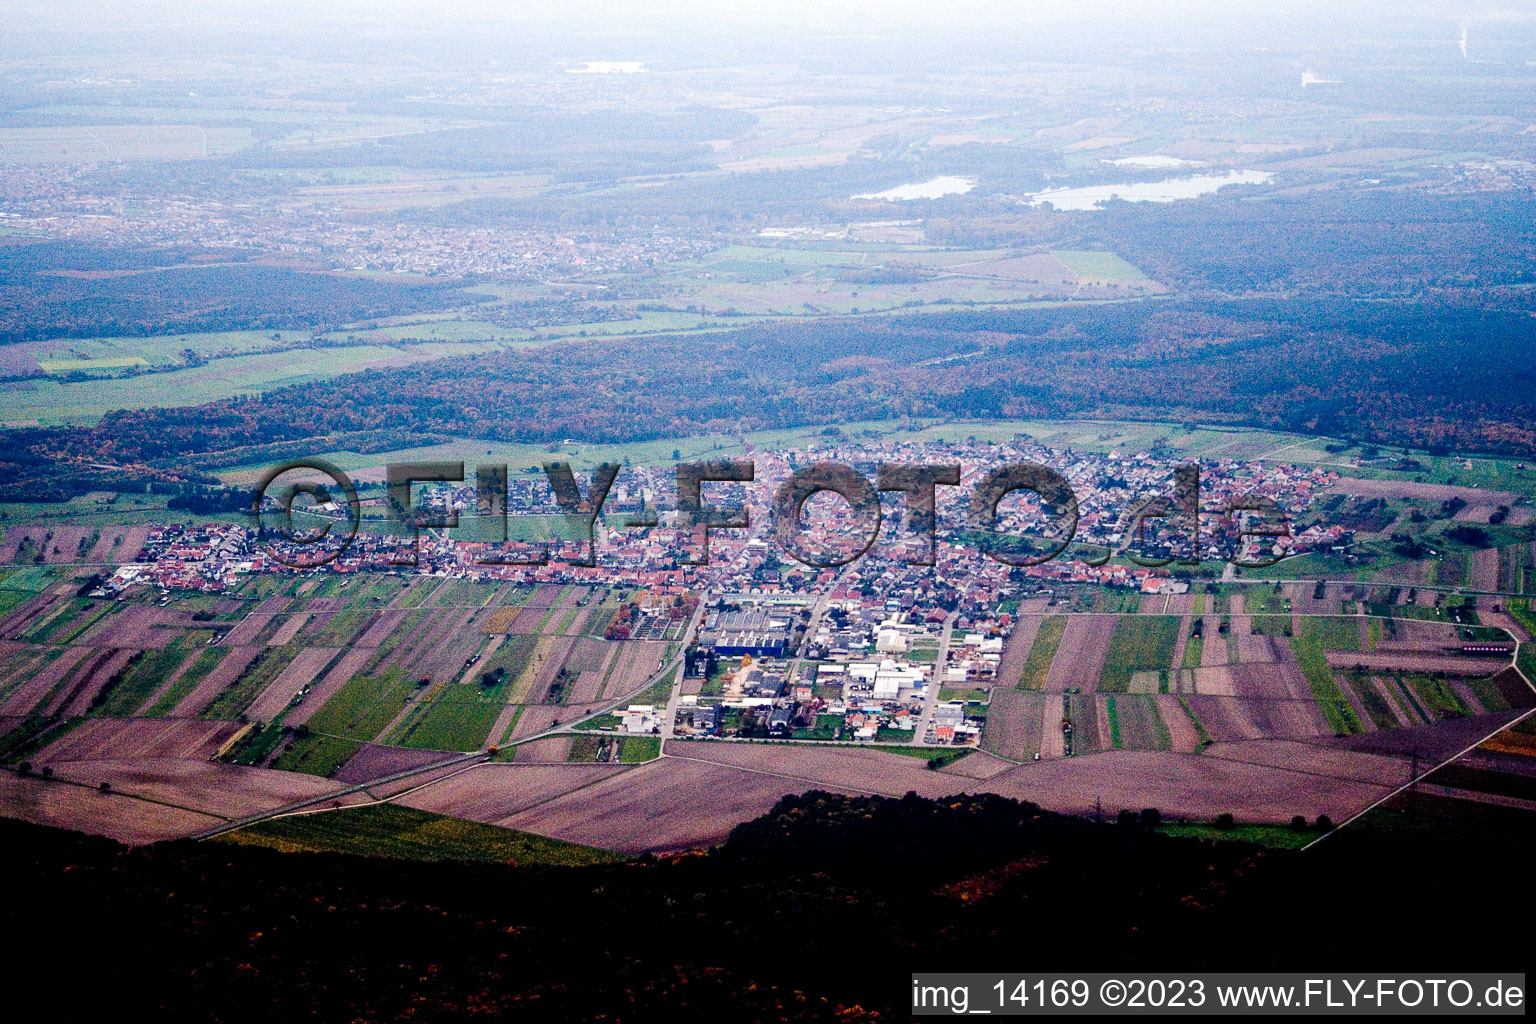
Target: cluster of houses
point(1110, 488)
point(862, 670)
point(56, 206)
point(209, 557)
point(892, 578)
point(787, 650)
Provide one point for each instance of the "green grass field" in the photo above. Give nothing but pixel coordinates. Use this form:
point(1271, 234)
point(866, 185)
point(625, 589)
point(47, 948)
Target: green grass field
point(1316, 636)
point(1279, 836)
point(1114, 601)
point(363, 707)
point(105, 363)
point(457, 716)
point(968, 693)
point(316, 754)
point(29, 580)
point(944, 754)
point(635, 749)
point(11, 598)
point(1098, 266)
point(1141, 643)
point(1194, 650)
point(55, 402)
point(405, 833)
point(1041, 652)
point(42, 144)
point(1333, 633)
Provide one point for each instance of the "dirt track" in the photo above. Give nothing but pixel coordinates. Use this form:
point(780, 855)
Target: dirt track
point(134, 738)
point(1425, 492)
point(1016, 651)
point(1403, 661)
point(1079, 659)
point(213, 684)
point(299, 673)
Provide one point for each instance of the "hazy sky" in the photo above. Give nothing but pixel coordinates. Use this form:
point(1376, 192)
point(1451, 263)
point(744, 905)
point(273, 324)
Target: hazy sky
point(84, 14)
point(694, 30)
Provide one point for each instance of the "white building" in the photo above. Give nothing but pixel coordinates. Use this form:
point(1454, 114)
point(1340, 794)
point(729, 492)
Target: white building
point(639, 718)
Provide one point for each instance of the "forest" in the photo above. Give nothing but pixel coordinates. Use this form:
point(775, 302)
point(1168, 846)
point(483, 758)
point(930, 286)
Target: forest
point(68, 290)
point(1438, 377)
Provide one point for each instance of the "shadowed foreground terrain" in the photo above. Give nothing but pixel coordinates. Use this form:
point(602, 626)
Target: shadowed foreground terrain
point(814, 911)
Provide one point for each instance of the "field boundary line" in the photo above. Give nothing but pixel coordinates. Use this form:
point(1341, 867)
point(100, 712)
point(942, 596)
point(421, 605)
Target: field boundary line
point(819, 783)
point(1418, 778)
point(114, 791)
point(539, 803)
point(335, 794)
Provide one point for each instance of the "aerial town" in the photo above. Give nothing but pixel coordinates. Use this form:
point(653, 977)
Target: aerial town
point(881, 650)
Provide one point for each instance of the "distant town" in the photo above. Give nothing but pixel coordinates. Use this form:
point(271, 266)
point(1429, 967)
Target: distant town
point(881, 650)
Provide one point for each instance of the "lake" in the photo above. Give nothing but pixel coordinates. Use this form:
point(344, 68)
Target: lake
point(1166, 191)
point(934, 189)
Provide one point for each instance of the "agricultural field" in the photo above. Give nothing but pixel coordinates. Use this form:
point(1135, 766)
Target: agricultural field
point(785, 278)
point(81, 380)
point(389, 830)
point(1253, 683)
point(311, 674)
point(604, 749)
point(518, 458)
point(1042, 652)
point(343, 681)
point(358, 249)
point(70, 143)
point(1142, 645)
point(1488, 792)
point(73, 381)
point(1325, 664)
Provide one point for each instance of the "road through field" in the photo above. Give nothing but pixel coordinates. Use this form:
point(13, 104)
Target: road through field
point(936, 681)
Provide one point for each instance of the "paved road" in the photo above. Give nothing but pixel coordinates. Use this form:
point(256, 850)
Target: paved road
point(935, 684)
point(674, 699)
point(818, 612)
point(337, 794)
